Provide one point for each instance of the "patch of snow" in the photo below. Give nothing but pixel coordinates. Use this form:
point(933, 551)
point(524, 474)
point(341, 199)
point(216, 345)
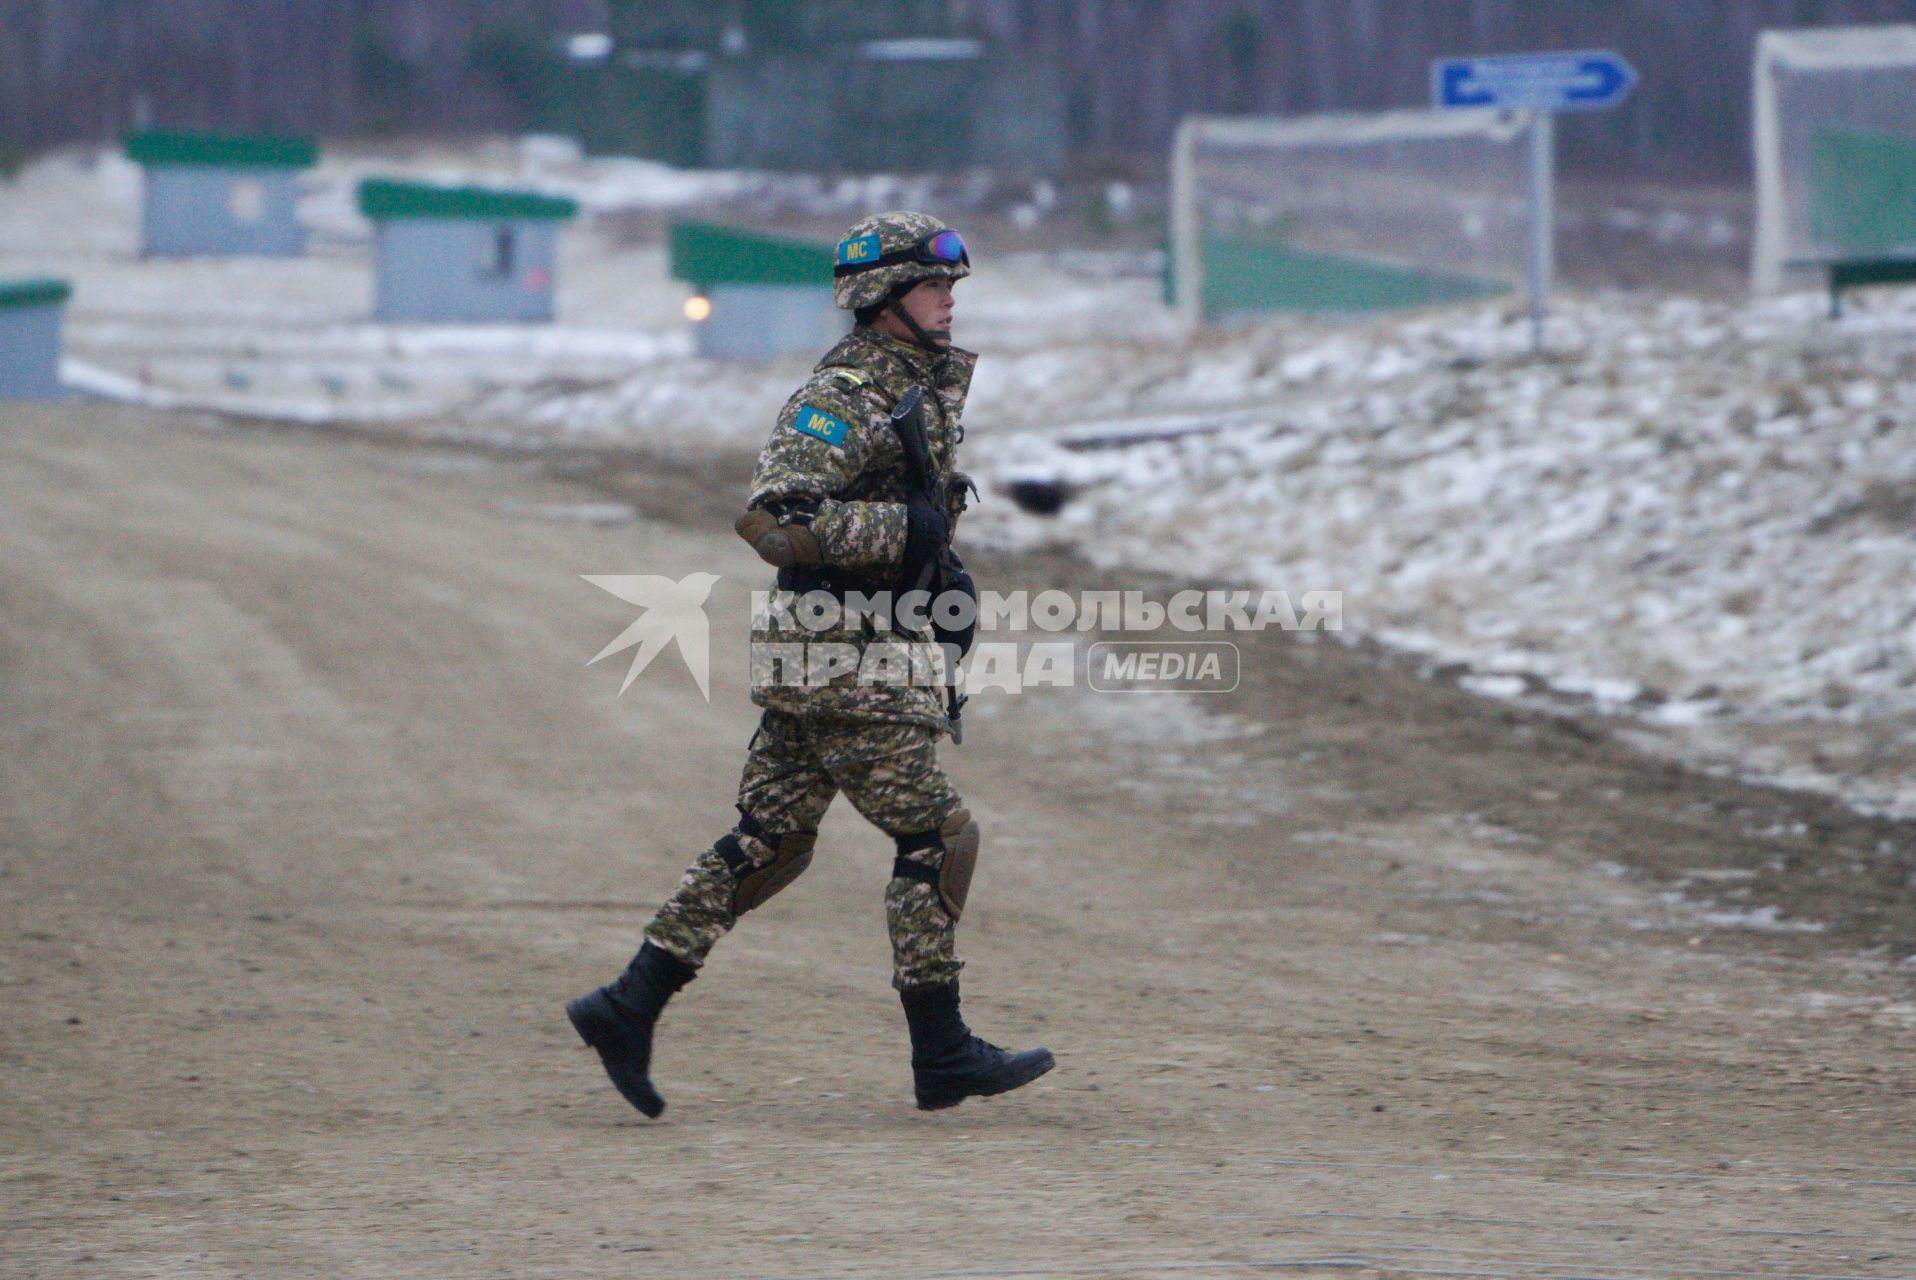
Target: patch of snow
point(1614, 692)
point(600, 513)
point(1762, 919)
point(1693, 511)
point(1494, 686)
point(1684, 713)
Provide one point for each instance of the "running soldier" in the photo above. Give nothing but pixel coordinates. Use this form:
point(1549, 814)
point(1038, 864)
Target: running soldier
point(837, 508)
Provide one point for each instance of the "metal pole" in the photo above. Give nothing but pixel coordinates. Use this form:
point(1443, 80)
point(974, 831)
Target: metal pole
point(1542, 217)
point(1766, 250)
point(1186, 259)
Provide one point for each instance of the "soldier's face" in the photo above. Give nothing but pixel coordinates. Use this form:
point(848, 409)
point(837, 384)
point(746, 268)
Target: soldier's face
point(929, 304)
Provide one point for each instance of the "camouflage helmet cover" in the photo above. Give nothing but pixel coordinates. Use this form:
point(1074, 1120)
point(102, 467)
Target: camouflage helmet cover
point(895, 232)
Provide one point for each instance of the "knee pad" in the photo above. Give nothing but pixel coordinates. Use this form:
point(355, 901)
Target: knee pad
point(956, 839)
point(757, 881)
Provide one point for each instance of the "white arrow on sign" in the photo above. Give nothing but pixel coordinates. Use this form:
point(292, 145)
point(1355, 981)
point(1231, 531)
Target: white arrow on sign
point(1582, 80)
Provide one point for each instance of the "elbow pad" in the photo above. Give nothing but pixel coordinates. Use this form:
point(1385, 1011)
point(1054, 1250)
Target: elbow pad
point(781, 545)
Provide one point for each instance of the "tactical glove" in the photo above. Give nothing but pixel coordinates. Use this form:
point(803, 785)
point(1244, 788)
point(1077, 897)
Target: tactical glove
point(782, 544)
point(952, 577)
point(927, 533)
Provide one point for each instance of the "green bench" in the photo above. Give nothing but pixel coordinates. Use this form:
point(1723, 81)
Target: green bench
point(1863, 209)
point(1854, 273)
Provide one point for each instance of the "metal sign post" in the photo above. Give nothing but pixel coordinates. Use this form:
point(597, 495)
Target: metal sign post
point(1543, 218)
point(1544, 84)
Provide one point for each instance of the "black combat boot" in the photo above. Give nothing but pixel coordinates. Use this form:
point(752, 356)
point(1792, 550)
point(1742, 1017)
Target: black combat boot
point(617, 1021)
point(949, 1064)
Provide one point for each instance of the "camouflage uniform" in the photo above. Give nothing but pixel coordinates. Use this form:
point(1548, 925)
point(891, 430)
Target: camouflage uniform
point(834, 508)
point(860, 488)
point(834, 463)
point(794, 768)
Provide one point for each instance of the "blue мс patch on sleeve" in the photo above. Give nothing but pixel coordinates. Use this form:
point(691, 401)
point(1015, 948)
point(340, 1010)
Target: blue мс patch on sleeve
point(816, 422)
point(858, 249)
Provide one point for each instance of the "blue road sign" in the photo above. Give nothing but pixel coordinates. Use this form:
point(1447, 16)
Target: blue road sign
point(1583, 80)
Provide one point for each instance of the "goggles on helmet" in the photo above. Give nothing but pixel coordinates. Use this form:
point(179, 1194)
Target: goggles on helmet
point(939, 249)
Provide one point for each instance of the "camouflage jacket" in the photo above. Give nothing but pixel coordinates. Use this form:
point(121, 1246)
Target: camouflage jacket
point(834, 446)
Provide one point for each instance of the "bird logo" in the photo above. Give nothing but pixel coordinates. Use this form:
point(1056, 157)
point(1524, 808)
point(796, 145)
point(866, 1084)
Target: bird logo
point(673, 611)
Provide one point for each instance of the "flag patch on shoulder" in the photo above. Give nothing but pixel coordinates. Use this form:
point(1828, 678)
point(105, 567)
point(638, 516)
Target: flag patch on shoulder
point(816, 422)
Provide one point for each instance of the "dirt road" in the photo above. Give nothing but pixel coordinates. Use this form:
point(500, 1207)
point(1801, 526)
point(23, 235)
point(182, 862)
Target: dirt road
point(311, 817)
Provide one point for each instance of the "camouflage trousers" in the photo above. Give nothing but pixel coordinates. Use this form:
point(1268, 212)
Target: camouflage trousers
point(795, 767)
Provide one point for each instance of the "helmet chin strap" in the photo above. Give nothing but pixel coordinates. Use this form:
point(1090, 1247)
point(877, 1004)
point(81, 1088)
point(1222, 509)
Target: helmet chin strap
point(935, 341)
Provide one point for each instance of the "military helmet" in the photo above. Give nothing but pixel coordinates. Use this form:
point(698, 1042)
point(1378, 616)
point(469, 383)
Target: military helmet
point(889, 249)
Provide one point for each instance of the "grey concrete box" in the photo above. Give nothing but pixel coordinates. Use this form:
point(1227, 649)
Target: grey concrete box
point(30, 353)
point(203, 210)
point(464, 271)
point(764, 321)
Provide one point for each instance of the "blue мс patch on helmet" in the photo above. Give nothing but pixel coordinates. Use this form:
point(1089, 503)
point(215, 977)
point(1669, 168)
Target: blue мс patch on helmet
point(816, 422)
point(858, 249)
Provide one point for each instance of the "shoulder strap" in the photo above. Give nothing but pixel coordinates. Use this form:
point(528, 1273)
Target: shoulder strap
point(849, 376)
point(857, 379)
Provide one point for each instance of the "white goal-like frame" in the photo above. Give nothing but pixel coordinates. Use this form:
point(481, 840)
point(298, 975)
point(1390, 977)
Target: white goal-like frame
point(1515, 128)
point(1782, 236)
